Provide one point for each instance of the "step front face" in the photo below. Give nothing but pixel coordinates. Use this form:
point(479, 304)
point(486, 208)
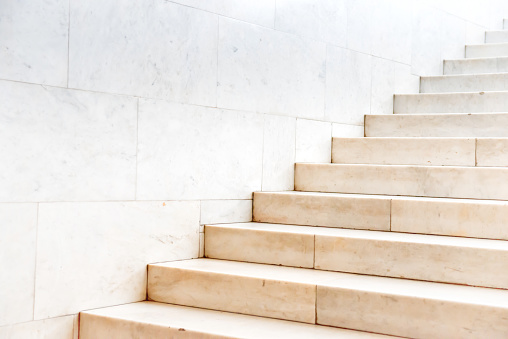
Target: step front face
point(478, 102)
point(417, 181)
point(496, 37)
point(475, 262)
point(464, 83)
point(475, 66)
point(405, 151)
point(487, 50)
point(438, 216)
point(368, 303)
point(156, 320)
point(437, 125)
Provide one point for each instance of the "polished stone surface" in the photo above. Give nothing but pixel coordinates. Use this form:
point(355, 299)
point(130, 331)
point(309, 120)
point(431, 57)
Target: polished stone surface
point(347, 131)
point(487, 50)
point(476, 66)
point(18, 232)
point(194, 152)
point(155, 49)
point(496, 36)
point(464, 83)
point(34, 41)
point(478, 102)
point(492, 152)
point(225, 211)
point(404, 151)
point(95, 254)
point(66, 145)
point(331, 210)
point(257, 71)
point(313, 141)
point(420, 181)
point(54, 328)
point(437, 125)
point(157, 320)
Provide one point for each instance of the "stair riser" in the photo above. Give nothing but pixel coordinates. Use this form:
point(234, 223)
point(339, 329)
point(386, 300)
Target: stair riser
point(496, 37)
point(464, 83)
point(460, 218)
point(239, 294)
point(451, 103)
point(398, 259)
point(449, 125)
point(487, 51)
point(404, 151)
point(475, 66)
point(443, 182)
point(408, 316)
point(359, 213)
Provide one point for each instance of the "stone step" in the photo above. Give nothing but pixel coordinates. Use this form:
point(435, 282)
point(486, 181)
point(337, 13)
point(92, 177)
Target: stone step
point(438, 216)
point(417, 181)
point(484, 152)
point(475, 66)
point(505, 24)
point(150, 319)
point(473, 102)
point(494, 37)
point(367, 303)
point(437, 125)
point(474, 262)
point(464, 83)
point(487, 50)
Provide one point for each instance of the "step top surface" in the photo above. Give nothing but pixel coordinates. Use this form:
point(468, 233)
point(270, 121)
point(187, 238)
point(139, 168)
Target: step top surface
point(373, 284)
point(217, 323)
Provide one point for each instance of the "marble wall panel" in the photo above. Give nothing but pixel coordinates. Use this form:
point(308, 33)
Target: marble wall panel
point(313, 141)
point(348, 85)
point(193, 152)
point(279, 153)
point(65, 145)
point(322, 20)
point(34, 41)
point(262, 70)
point(53, 328)
point(154, 49)
point(18, 223)
point(225, 211)
point(92, 255)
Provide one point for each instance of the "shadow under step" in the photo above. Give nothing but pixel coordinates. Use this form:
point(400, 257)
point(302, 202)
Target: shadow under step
point(474, 262)
point(375, 304)
point(438, 216)
point(157, 320)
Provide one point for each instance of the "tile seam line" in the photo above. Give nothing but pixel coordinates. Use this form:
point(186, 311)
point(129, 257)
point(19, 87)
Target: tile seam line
point(236, 110)
point(35, 263)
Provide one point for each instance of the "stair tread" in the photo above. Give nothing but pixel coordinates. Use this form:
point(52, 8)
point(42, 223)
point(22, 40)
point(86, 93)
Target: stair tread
point(371, 235)
point(374, 284)
point(218, 323)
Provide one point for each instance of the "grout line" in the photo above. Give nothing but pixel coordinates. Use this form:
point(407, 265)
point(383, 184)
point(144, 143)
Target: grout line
point(390, 214)
point(315, 307)
point(476, 152)
point(137, 151)
point(314, 253)
point(35, 264)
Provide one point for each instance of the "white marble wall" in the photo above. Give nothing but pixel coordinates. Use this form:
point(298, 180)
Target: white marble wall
point(126, 125)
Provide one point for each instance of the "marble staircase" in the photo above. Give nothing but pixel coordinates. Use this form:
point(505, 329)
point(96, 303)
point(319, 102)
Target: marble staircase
point(403, 234)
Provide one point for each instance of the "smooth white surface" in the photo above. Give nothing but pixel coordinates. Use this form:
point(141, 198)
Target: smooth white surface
point(64, 145)
point(152, 49)
point(18, 232)
point(53, 328)
point(464, 83)
point(194, 152)
point(34, 35)
point(475, 66)
point(313, 141)
point(225, 211)
point(279, 148)
point(260, 71)
point(95, 254)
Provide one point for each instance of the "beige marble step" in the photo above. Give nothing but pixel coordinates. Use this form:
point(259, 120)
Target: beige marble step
point(475, 66)
point(437, 125)
point(474, 262)
point(473, 102)
point(157, 320)
point(367, 303)
point(439, 216)
point(418, 181)
point(464, 83)
point(421, 151)
point(487, 50)
point(496, 36)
